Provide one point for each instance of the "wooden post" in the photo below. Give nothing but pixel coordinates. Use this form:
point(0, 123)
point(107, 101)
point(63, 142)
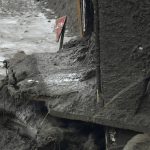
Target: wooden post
point(100, 99)
point(79, 14)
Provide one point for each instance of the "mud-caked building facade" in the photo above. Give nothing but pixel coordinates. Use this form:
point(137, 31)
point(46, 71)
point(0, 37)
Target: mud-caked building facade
point(124, 39)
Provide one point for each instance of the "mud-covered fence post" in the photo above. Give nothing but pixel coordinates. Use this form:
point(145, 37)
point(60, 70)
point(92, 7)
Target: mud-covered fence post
point(98, 53)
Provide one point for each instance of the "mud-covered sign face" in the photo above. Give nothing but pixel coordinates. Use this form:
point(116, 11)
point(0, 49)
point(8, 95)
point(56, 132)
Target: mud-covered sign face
point(60, 23)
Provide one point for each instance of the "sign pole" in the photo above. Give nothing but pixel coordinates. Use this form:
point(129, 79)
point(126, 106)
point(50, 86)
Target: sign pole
point(100, 99)
point(62, 37)
point(60, 30)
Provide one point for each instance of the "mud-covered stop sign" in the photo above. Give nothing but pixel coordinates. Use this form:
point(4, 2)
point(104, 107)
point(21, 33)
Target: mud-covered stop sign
point(60, 24)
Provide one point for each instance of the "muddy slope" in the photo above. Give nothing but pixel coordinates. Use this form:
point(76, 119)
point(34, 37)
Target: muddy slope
point(30, 101)
point(65, 83)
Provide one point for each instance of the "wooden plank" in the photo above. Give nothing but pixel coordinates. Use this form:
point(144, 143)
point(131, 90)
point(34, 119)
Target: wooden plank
point(79, 14)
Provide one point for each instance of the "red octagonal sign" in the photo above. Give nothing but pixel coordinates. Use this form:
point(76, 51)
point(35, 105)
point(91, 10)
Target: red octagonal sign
point(60, 23)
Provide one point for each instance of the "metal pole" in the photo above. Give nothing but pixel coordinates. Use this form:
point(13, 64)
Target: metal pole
point(98, 53)
point(62, 37)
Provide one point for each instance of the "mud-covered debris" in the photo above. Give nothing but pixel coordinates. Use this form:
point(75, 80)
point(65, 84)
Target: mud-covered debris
point(88, 75)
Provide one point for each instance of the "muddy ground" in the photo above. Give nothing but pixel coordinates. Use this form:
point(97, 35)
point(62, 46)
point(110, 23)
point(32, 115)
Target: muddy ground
point(26, 123)
point(25, 108)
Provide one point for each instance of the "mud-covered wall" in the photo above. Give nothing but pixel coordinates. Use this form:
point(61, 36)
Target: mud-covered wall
point(125, 44)
point(66, 8)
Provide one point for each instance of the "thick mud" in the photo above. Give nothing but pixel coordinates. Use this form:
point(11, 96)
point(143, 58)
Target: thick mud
point(25, 122)
point(62, 84)
point(26, 125)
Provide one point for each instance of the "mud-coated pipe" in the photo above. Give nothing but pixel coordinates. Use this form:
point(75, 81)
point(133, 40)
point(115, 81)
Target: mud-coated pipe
point(98, 52)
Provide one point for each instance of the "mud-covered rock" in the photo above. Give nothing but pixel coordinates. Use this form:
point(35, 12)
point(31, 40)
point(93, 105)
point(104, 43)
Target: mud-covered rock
point(52, 136)
point(138, 142)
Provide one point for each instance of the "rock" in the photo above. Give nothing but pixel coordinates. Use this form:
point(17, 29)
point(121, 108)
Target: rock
point(138, 142)
point(51, 135)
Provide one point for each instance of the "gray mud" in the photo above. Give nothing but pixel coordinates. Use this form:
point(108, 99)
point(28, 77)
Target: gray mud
point(23, 128)
point(26, 96)
point(25, 120)
point(62, 84)
point(65, 81)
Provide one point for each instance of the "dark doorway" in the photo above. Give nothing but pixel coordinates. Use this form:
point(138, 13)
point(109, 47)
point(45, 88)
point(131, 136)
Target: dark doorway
point(87, 17)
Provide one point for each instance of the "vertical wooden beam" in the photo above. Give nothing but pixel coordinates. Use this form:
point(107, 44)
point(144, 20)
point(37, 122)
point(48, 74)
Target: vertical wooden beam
point(79, 14)
point(83, 15)
point(100, 99)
